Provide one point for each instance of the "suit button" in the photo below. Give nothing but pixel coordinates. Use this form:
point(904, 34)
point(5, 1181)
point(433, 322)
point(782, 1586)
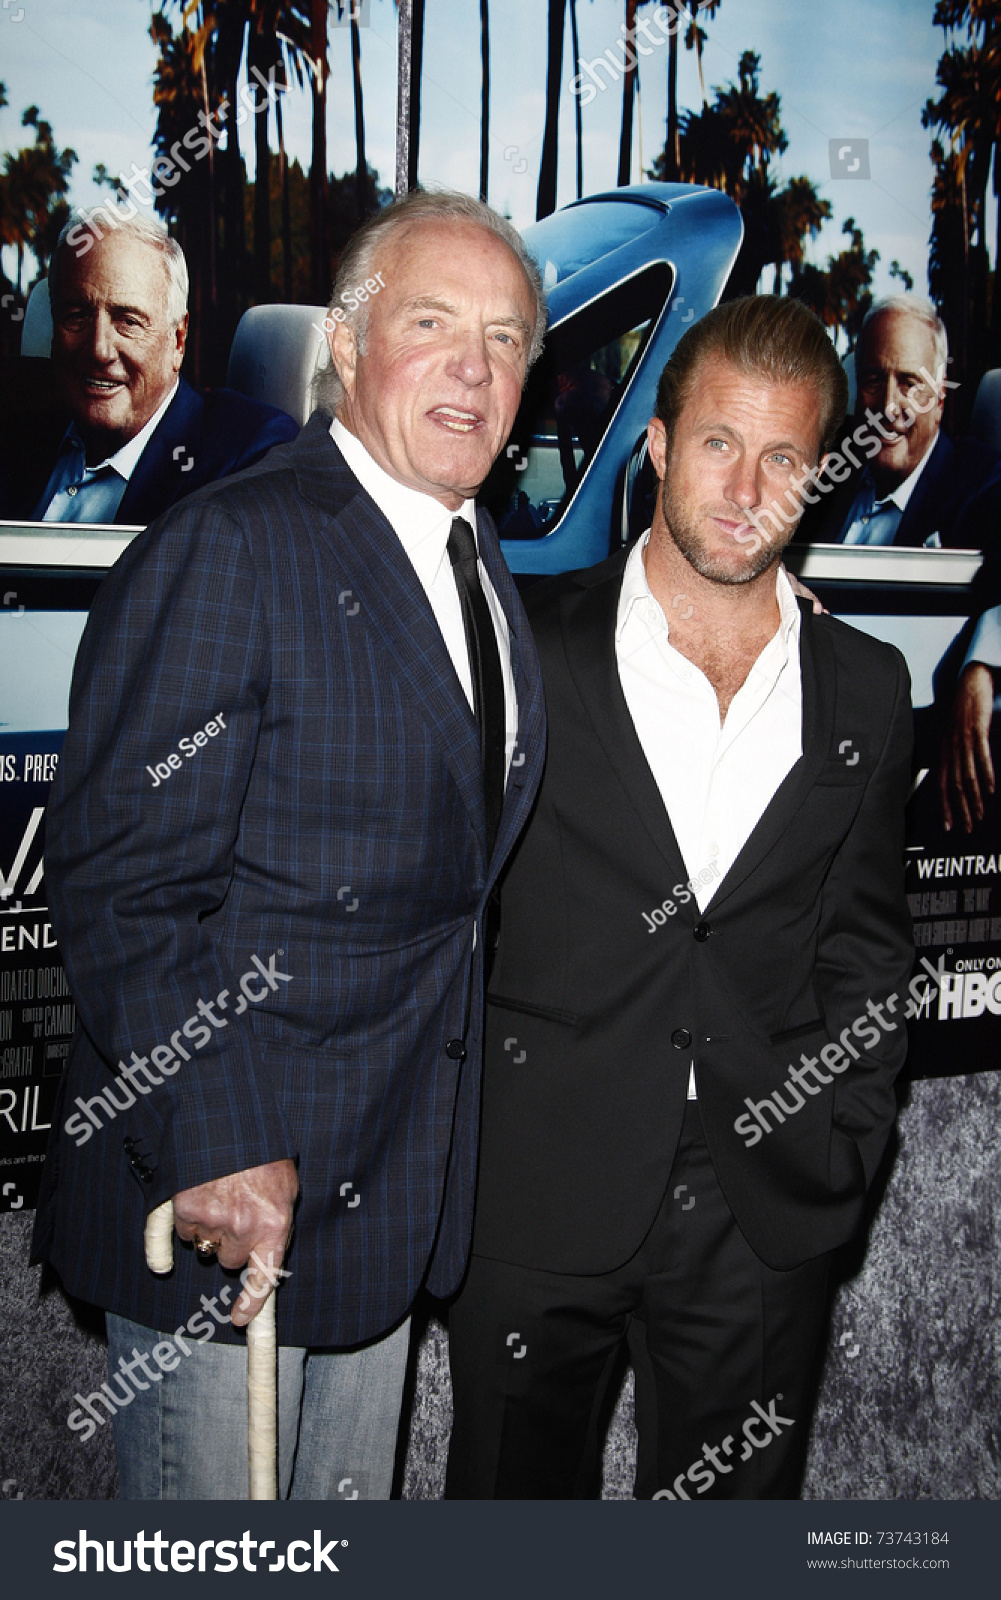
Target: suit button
point(681, 1038)
point(702, 931)
point(128, 1144)
point(455, 1050)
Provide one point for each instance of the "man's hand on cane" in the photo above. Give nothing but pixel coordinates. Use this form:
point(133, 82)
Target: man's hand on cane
point(242, 1214)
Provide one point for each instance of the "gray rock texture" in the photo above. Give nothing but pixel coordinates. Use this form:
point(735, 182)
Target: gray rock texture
point(910, 1400)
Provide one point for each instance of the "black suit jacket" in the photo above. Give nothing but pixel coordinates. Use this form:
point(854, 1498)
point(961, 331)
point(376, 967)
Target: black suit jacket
point(593, 1018)
point(958, 496)
point(201, 437)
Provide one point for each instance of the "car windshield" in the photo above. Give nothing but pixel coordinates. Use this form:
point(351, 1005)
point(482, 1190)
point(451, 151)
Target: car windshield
point(569, 402)
point(569, 240)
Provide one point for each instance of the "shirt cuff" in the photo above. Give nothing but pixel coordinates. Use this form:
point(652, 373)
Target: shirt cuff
point(985, 646)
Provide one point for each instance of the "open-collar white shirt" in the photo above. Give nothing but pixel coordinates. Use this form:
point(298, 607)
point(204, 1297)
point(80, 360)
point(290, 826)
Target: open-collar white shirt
point(715, 781)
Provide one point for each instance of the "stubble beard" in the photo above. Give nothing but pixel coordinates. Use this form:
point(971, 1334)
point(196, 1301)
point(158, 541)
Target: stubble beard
point(683, 531)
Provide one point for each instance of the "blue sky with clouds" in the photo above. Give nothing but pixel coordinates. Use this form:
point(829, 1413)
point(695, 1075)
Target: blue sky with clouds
point(844, 69)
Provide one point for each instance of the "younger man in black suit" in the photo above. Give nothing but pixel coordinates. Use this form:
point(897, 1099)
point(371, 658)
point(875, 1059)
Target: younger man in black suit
point(695, 1016)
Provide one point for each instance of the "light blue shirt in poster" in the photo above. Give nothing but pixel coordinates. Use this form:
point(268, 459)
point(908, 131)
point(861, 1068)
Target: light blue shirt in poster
point(78, 493)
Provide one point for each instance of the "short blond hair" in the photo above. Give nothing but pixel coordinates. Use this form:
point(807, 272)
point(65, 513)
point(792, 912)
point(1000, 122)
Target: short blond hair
point(764, 335)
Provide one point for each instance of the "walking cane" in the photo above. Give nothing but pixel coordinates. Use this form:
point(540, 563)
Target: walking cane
point(262, 1355)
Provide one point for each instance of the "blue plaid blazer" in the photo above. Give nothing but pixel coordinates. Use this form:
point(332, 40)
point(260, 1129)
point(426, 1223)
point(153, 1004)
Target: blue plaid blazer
point(334, 822)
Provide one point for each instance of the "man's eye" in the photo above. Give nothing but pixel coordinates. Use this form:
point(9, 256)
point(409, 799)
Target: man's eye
point(781, 459)
point(716, 444)
point(428, 322)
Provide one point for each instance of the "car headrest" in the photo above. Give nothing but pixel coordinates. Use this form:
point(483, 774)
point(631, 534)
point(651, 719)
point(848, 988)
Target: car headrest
point(36, 331)
point(277, 352)
point(985, 423)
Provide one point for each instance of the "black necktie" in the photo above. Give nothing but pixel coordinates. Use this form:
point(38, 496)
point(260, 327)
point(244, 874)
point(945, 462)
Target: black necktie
point(485, 668)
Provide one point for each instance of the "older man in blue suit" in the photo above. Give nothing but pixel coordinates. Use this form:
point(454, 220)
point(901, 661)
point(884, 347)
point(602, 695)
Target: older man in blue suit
point(306, 728)
point(139, 436)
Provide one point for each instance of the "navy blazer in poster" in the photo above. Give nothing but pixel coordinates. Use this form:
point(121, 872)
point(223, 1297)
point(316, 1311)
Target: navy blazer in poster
point(201, 437)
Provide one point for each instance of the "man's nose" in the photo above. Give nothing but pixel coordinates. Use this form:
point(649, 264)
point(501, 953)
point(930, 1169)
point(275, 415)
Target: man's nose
point(877, 391)
point(743, 486)
point(468, 360)
point(103, 345)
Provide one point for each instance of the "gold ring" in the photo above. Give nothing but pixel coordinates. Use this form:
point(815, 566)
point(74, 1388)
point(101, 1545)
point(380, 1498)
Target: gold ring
point(207, 1247)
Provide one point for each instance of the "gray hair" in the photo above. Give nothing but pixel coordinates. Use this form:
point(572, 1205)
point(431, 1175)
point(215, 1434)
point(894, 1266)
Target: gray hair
point(913, 305)
point(363, 248)
point(83, 230)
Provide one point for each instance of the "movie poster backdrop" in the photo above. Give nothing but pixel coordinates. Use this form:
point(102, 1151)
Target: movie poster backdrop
point(835, 220)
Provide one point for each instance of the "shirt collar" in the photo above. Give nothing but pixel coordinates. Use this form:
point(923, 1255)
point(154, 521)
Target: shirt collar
point(635, 589)
point(902, 493)
point(420, 522)
point(125, 460)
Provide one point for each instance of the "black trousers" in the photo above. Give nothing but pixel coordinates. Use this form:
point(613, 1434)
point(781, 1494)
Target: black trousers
point(725, 1352)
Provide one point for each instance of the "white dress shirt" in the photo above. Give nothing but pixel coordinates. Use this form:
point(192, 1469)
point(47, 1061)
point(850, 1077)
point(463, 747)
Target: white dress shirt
point(985, 646)
point(715, 781)
point(422, 525)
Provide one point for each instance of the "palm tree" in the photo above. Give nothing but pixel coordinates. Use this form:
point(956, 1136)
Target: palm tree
point(32, 186)
point(672, 143)
point(801, 213)
point(696, 36)
point(410, 59)
point(724, 143)
point(218, 33)
point(949, 248)
point(264, 54)
point(969, 110)
point(575, 48)
point(842, 294)
point(361, 170)
point(751, 121)
point(628, 93)
point(318, 208)
point(485, 98)
point(546, 197)
point(903, 276)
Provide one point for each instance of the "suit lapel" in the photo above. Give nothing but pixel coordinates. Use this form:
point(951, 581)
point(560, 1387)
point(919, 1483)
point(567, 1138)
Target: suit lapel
point(371, 563)
point(529, 752)
point(589, 642)
point(922, 513)
point(180, 430)
point(819, 679)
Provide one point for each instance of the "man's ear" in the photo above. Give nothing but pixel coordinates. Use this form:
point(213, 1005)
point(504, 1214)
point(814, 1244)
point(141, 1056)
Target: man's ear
point(344, 354)
point(656, 442)
point(180, 340)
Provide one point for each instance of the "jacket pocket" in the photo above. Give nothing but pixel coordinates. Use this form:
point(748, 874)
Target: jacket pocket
point(818, 1025)
point(547, 1013)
